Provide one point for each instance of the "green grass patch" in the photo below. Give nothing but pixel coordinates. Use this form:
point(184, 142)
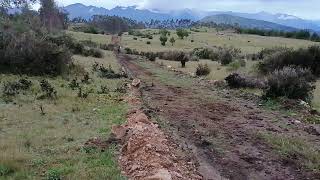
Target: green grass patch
point(295, 149)
point(36, 145)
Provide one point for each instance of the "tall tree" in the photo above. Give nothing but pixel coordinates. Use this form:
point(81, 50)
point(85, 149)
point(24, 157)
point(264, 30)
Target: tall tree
point(51, 16)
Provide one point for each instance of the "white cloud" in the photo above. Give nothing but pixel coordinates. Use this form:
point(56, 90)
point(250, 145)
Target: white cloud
point(301, 8)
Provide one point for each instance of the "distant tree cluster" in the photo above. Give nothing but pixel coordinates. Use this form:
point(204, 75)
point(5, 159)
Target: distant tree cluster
point(302, 34)
point(114, 24)
point(182, 33)
point(170, 24)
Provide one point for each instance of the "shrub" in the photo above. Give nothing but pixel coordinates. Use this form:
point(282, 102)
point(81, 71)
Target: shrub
point(11, 88)
point(203, 70)
point(14, 88)
point(74, 84)
point(151, 56)
point(172, 41)
point(269, 51)
point(48, 89)
point(135, 38)
point(171, 55)
point(148, 42)
point(183, 58)
point(235, 65)
point(236, 80)
point(89, 43)
point(91, 30)
point(163, 40)
point(206, 53)
point(192, 40)
point(108, 73)
point(226, 58)
point(305, 58)
point(108, 47)
point(97, 53)
point(291, 82)
point(128, 50)
point(103, 90)
point(65, 40)
point(27, 54)
point(182, 33)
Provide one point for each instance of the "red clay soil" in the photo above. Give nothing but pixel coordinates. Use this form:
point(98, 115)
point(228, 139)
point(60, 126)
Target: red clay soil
point(146, 152)
point(220, 135)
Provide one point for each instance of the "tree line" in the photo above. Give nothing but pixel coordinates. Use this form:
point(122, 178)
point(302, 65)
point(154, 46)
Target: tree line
point(301, 34)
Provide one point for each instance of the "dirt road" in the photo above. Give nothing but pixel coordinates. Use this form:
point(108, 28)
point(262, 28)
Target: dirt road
point(218, 131)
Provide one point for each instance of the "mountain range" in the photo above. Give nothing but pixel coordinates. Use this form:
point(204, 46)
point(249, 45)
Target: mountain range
point(80, 10)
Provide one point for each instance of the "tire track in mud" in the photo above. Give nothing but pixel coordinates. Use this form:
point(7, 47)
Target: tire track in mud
point(221, 136)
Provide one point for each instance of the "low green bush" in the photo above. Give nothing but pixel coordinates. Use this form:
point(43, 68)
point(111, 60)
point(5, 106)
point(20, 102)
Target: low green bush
point(203, 70)
point(291, 82)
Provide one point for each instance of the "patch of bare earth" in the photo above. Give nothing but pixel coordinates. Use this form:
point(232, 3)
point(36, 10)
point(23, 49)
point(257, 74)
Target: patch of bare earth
point(146, 152)
point(222, 135)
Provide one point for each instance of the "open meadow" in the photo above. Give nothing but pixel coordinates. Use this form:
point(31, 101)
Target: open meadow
point(44, 138)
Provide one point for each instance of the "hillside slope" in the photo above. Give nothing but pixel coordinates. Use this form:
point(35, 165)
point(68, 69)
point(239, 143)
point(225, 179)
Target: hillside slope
point(245, 22)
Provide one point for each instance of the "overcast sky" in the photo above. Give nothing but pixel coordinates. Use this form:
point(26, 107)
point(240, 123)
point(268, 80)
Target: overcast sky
point(308, 9)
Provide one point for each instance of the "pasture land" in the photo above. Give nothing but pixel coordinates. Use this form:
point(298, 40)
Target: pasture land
point(44, 138)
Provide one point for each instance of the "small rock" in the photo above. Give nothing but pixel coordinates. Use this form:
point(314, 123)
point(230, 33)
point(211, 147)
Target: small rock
point(162, 174)
point(314, 130)
point(136, 82)
point(297, 122)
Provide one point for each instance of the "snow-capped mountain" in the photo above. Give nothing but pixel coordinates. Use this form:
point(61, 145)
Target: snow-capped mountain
point(80, 10)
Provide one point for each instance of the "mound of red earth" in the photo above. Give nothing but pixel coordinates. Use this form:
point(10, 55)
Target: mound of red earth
point(146, 152)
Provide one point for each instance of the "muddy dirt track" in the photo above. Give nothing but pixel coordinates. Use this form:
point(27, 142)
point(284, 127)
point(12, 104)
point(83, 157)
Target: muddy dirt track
point(219, 133)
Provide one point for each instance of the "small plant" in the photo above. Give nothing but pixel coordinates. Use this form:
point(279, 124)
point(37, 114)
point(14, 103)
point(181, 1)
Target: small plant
point(25, 84)
point(135, 38)
point(74, 84)
point(104, 90)
point(48, 89)
point(86, 78)
point(53, 174)
point(108, 73)
point(172, 41)
point(97, 53)
point(128, 50)
point(203, 70)
point(192, 40)
point(5, 170)
point(83, 94)
point(11, 88)
point(121, 88)
point(95, 67)
point(108, 47)
point(226, 58)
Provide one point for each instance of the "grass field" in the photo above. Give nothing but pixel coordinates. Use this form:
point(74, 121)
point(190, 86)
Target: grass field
point(50, 145)
point(247, 43)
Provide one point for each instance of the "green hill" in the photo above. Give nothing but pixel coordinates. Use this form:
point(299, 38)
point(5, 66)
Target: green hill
point(245, 22)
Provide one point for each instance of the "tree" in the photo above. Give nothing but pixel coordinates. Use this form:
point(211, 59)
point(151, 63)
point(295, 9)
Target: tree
point(183, 58)
point(182, 33)
point(51, 17)
point(315, 37)
point(172, 40)
point(164, 32)
point(16, 3)
point(163, 40)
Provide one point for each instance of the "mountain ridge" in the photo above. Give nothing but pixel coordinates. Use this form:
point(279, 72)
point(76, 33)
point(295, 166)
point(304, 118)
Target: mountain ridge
point(133, 12)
